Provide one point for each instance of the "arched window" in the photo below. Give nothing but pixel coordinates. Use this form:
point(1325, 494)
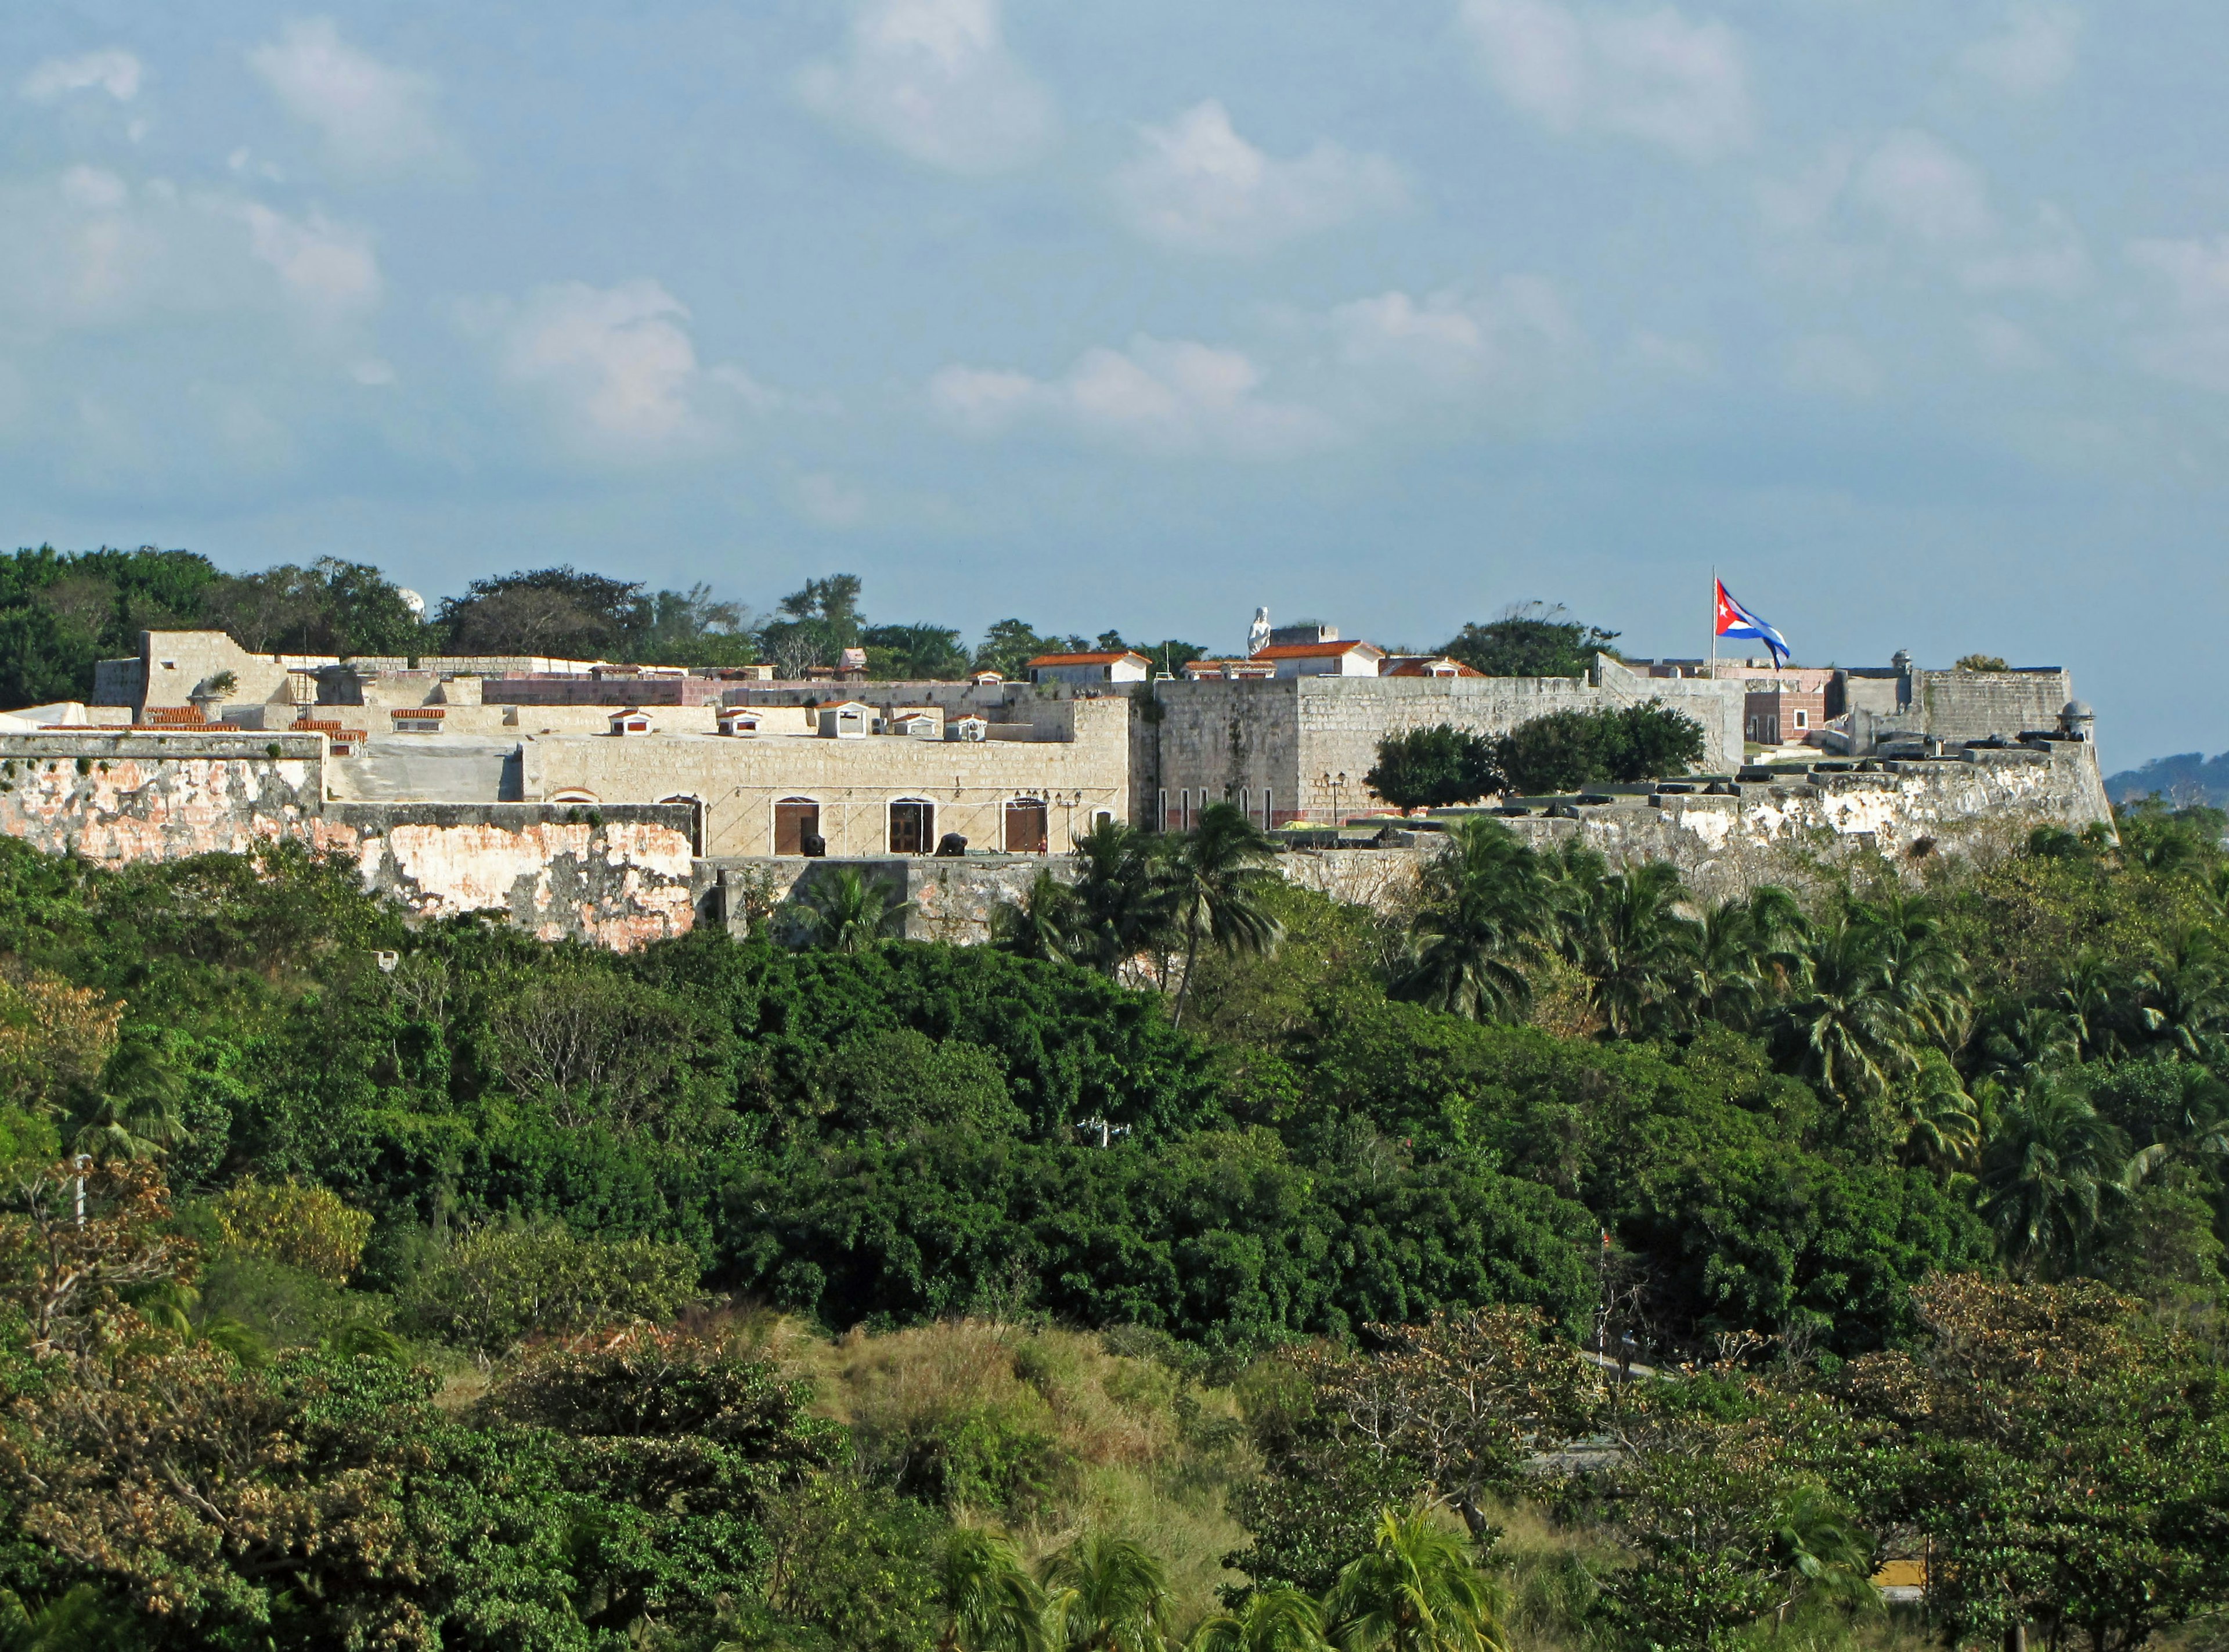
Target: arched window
point(913, 826)
point(795, 820)
point(1025, 827)
point(573, 795)
point(696, 818)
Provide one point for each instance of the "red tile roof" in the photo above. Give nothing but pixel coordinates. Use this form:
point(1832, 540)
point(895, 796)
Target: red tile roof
point(1315, 650)
point(420, 711)
point(1088, 659)
point(176, 717)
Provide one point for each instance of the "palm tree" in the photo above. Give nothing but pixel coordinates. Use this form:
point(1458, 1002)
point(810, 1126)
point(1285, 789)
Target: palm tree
point(1623, 930)
point(851, 914)
point(1485, 906)
point(1815, 1544)
point(136, 1116)
point(1921, 969)
point(1108, 1595)
point(2050, 1174)
point(1216, 882)
point(1418, 1590)
point(2189, 990)
point(1272, 1620)
point(1936, 1121)
point(1863, 1007)
point(989, 1604)
point(1123, 903)
point(1043, 924)
point(1745, 953)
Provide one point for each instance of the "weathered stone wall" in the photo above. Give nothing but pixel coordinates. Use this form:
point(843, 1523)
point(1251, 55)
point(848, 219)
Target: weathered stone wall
point(1974, 705)
point(617, 876)
point(952, 899)
point(1309, 741)
point(1780, 831)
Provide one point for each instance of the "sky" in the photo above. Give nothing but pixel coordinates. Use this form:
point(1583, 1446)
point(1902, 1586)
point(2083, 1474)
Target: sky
point(1909, 317)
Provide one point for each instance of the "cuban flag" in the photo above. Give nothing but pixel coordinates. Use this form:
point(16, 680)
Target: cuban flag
point(1735, 620)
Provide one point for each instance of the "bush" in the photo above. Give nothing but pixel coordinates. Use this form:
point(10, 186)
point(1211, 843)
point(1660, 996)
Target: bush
point(1566, 749)
point(502, 1285)
point(1429, 767)
point(307, 1228)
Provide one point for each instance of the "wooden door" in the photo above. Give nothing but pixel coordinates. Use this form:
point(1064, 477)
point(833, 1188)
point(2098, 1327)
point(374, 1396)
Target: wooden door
point(1025, 827)
point(795, 819)
point(911, 824)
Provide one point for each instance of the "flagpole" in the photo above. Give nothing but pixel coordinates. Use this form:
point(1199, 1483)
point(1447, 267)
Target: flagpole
point(1714, 622)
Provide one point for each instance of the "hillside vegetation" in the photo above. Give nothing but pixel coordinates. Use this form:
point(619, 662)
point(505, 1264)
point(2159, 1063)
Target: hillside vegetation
point(1206, 1260)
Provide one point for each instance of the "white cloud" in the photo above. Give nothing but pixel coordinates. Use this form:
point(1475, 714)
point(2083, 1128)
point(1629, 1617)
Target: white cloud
point(1198, 186)
point(327, 269)
point(1919, 187)
point(2033, 53)
point(1169, 398)
point(374, 117)
point(2190, 342)
point(93, 250)
point(1647, 73)
point(615, 367)
point(2008, 346)
point(830, 501)
point(1510, 346)
point(1913, 202)
point(934, 80)
point(1830, 365)
point(117, 73)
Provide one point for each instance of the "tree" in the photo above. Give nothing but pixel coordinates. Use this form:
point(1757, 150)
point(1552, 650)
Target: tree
point(1044, 924)
point(1217, 881)
point(2052, 1174)
point(1109, 1594)
point(1623, 931)
point(1009, 646)
point(554, 610)
point(1747, 952)
point(1429, 767)
point(1981, 663)
point(1529, 640)
point(914, 653)
point(493, 1289)
point(1483, 908)
point(989, 1604)
point(307, 1228)
point(1418, 1590)
point(1122, 899)
point(1566, 749)
point(2066, 1464)
point(1269, 1620)
point(850, 913)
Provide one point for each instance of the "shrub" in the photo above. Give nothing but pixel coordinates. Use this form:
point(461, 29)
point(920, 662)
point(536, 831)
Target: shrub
point(502, 1285)
point(1566, 749)
point(1429, 767)
point(307, 1228)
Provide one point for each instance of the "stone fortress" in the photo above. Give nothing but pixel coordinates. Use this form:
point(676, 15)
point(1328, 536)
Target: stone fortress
point(621, 803)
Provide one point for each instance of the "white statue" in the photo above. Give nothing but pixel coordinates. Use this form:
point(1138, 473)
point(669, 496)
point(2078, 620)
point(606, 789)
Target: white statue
point(1257, 635)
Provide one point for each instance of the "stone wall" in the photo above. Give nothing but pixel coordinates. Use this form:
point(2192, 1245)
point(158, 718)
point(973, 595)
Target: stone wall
point(952, 899)
point(1974, 705)
point(616, 876)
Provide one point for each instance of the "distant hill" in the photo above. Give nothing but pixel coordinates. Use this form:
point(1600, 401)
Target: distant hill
point(2193, 777)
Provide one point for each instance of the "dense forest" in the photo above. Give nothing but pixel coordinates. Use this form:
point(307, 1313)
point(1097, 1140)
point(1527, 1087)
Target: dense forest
point(60, 612)
point(1560, 1262)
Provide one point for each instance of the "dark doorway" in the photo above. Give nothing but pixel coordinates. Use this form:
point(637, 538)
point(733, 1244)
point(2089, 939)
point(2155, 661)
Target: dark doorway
point(912, 825)
point(795, 819)
point(1025, 827)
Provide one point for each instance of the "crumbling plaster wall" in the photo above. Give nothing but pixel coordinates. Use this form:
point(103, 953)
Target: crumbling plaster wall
point(1974, 705)
point(617, 876)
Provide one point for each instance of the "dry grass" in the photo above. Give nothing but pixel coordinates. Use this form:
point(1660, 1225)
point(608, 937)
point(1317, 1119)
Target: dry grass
point(1128, 1446)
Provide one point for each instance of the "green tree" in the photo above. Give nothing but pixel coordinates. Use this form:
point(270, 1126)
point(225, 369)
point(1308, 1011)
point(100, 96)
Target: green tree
point(1531, 639)
point(1563, 751)
point(850, 913)
point(1483, 908)
point(1009, 646)
point(1429, 767)
point(1746, 951)
point(1419, 1589)
point(1109, 1594)
point(1624, 932)
point(2052, 1175)
point(1269, 1620)
point(990, 1603)
point(914, 653)
point(1044, 924)
point(1217, 881)
point(493, 1289)
point(1123, 900)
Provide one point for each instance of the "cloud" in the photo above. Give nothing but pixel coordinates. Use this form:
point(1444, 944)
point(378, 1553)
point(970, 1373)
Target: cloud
point(92, 250)
point(1830, 365)
point(115, 72)
point(2008, 346)
point(616, 367)
point(1509, 347)
point(374, 117)
point(2190, 342)
point(1166, 398)
point(1913, 201)
point(829, 501)
point(2032, 54)
point(1647, 73)
point(1197, 186)
point(934, 80)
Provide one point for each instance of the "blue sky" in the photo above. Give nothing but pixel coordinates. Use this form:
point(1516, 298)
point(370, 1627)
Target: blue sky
point(1913, 318)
